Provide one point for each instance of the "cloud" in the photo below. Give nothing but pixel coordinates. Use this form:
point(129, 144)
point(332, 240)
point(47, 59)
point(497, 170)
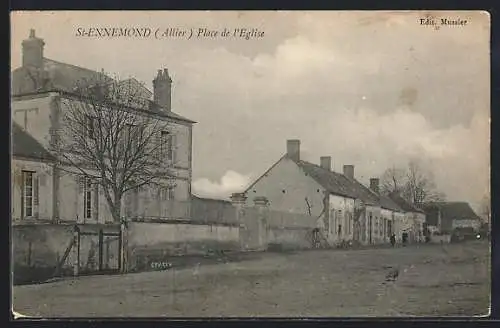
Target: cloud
point(369, 89)
point(230, 182)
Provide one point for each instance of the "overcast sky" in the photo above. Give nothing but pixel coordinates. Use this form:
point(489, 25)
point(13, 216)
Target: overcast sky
point(371, 89)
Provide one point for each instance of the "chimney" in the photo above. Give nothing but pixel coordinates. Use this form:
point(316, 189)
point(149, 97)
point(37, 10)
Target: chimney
point(162, 89)
point(374, 185)
point(349, 171)
point(326, 162)
point(33, 51)
point(293, 149)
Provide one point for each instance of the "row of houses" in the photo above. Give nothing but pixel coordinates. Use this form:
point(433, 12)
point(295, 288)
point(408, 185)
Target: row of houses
point(347, 210)
point(344, 208)
point(43, 190)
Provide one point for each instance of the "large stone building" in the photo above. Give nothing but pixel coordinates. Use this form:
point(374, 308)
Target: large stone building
point(41, 90)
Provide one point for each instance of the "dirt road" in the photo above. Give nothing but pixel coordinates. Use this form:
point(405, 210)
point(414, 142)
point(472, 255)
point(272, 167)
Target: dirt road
point(433, 280)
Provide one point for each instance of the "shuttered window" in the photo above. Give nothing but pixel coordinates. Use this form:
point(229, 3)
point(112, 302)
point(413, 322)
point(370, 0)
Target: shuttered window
point(167, 193)
point(88, 198)
point(166, 147)
point(29, 194)
point(349, 223)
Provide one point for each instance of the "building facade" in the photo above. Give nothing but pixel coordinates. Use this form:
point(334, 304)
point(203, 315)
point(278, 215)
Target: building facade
point(344, 209)
point(42, 90)
point(447, 217)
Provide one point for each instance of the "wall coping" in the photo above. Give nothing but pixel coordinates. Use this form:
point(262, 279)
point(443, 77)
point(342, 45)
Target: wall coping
point(238, 197)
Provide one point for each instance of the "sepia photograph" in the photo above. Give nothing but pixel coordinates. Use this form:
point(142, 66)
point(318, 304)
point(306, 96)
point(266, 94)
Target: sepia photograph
point(245, 164)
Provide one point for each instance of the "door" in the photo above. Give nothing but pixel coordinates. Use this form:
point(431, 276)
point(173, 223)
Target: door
point(370, 228)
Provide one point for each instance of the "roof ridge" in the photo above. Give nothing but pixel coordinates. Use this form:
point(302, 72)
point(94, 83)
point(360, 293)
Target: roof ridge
point(76, 66)
point(21, 133)
point(265, 172)
point(322, 168)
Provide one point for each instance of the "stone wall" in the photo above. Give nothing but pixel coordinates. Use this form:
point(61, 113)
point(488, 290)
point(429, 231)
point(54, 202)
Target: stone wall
point(37, 249)
point(158, 242)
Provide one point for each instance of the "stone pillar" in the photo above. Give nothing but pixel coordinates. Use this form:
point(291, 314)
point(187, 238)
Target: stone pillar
point(239, 200)
point(262, 204)
point(124, 248)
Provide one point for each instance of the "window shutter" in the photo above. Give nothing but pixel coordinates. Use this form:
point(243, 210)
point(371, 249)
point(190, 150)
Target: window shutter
point(35, 194)
point(173, 145)
point(95, 202)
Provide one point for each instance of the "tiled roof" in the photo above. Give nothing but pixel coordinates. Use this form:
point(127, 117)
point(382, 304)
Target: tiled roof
point(454, 210)
point(65, 77)
point(403, 204)
point(24, 145)
point(338, 184)
point(54, 75)
point(389, 204)
point(155, 108)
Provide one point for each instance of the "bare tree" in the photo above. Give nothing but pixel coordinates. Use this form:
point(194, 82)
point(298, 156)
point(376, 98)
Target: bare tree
point(393, 180)
point(414, 183)
point(113, 139)
point(420, 186)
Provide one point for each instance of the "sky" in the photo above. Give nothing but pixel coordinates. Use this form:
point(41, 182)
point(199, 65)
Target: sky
point(371, 89)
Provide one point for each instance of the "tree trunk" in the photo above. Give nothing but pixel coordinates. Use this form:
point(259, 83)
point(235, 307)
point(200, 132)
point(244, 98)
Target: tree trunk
point(117, 207)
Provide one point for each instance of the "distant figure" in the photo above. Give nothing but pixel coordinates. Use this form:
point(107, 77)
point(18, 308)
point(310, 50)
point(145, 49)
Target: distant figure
point(405, 238)
point(315, 238)
point(393, 240)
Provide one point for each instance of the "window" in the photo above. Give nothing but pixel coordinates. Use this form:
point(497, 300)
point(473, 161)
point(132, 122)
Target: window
point(166, 145)
point(167, 193)
point(333, 221)
point(171, 193)
point(349, 226)
point(339, 220)
point(28, 193)
point(133, 139)
point(87, 198)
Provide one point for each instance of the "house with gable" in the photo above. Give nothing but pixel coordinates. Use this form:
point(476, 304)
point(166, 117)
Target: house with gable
point(41, 90)
point(345, 209)
point(450, 217)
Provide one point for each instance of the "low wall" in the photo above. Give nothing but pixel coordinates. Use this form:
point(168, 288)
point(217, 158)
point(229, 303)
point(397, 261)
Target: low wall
point(37, 250)
point(289, 239)
point(156, 242)
point(286, 231)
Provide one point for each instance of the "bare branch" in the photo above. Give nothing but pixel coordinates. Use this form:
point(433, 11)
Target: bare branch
point(106, 137)
point(415, 184)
